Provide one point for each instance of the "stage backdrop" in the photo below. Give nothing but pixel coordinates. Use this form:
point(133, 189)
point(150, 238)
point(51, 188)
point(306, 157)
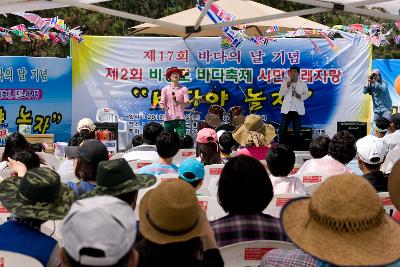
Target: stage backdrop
point(36, 92)
point(390, 72)
point(127, 74)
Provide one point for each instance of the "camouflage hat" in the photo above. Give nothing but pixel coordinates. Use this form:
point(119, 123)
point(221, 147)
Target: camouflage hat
point(115, 177)
point(38, 195)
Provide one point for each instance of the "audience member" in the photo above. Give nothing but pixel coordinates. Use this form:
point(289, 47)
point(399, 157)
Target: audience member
point(89, 154)
point(381, 127)
point(280, 162)
point(319, 146)
point(392, 137)
point(342, 150)
point(137, 140)
point(187, 142)
point(173, 225)
point(28, 157)
point(207, 148)
point(116, 178)
point(15, 142)
point(38, 147)
point(86, 128)
point(167, 144)
point(99, 231)
point(394, 189)
point(226, 143)
point(36, 197)
point(146, 151)
point(255, 137)
point(371, 152)
point(244, 192)
point(192, 171)
point(342, 224)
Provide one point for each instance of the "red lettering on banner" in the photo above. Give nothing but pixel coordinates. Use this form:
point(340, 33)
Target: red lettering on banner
point(312, 179)
point(188, 153)
point(3, 209)
point(255, 254)
point(386, 201)
point(215, 171)
point(203, 205)
point(280, 201)
point(125, 73)
point(1, 262)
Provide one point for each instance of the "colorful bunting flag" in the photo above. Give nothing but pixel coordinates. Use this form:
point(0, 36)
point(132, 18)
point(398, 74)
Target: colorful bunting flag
point(273, 28)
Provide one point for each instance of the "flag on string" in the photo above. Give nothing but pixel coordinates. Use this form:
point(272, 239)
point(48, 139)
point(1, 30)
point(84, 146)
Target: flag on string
point(396, 39)
point(330, 42)
point(398, 24)
point(273, 28)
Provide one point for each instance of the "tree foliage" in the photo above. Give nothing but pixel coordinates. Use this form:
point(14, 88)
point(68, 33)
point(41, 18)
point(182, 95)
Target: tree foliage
point(93, 23)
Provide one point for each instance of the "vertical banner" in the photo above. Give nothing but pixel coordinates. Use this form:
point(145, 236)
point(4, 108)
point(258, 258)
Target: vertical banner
point(36, 95)
point(390, 72)
point(128, 73)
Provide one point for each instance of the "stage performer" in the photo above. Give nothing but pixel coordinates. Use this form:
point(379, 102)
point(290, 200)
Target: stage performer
point(379, 92)
point(174, 99)
point(294, 91)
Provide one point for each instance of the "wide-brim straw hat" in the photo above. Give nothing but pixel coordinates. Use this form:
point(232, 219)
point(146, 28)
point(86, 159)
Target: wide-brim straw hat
point(254, 131)
point(343, 223)
point(394, 185)
point(170, 213)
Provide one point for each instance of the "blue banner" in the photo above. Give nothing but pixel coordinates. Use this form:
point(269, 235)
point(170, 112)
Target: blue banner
point(36, 95)
point(390, 72)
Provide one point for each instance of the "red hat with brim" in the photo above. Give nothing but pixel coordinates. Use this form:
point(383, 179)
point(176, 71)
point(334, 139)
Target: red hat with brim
point(172, 70)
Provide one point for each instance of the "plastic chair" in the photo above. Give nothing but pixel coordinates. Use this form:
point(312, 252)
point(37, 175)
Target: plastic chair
point(387, 203)
point(211, 207)
point(183, 154)
point(309, 178)
point(137, 164)
point(111, 115)
point(312, 187)
point(49, 160)
point(278, 201)
point(52, 228)
point(13, 259)
point(302, 156)
point(391, 158)
point(250, 253)
point(211, 171)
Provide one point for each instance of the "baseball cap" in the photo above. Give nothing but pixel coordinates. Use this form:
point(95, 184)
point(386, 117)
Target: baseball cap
point(376, 71)
point(191, 170)
point(90, 150)
point(113, 233)
point(371, 149)
point(85, 124)
point(206, 135)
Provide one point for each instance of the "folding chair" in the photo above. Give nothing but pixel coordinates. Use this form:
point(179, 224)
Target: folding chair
point(183, 154)
point(250, 253)
point(387, 203)
point(13, 259)
point(211, 207)
point(278, 201)
point(309, 178)
point(137, 164)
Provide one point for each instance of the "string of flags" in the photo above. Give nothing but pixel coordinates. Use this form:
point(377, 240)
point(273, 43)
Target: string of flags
point(53, 29)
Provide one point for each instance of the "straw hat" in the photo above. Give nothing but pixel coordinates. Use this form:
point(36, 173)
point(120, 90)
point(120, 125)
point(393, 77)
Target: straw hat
point(343, 223)
point(254, 131)
point(170, 213)
point(394, 185)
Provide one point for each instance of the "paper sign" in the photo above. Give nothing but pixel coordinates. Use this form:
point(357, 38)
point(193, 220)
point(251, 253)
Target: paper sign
point(386, 201)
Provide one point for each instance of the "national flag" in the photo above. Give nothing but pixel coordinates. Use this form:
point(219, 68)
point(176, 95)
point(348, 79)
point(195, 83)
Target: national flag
point(19, 27)
point(273, 28)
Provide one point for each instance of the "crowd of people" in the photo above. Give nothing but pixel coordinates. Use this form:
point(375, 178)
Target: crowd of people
point(342, 223)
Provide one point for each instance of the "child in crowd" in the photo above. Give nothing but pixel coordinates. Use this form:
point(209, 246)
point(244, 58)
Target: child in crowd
point(280, 162)
point(167, 144)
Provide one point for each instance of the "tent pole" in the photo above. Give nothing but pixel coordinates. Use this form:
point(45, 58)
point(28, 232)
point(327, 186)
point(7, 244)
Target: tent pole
point(202, 14)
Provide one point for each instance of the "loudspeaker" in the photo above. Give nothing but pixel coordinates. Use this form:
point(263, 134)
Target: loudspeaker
point(357, 128)
point(304, 142)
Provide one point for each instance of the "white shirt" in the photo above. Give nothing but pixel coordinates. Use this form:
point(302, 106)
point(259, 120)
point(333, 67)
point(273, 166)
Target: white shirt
point(392, 139)
point(290, 102)
point(326, 164)
point(287, 185)
point(66, 170)
point(141, 155)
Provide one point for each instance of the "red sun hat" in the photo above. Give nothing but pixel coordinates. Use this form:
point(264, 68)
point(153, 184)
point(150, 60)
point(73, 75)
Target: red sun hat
point(172, 70)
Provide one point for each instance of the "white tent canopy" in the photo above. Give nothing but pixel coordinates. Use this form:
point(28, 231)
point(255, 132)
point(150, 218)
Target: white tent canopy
point(14, 6)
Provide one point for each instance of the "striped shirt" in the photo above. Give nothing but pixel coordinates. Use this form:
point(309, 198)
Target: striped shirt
point(233, 229)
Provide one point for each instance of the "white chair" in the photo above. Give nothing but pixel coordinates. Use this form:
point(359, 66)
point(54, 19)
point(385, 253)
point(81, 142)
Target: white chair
point(211, 171)
point(49, 160)
point(302, 156)
point(137, 164)
point(4, 214)
point(391, 158)
point(387, 203)
point(111, 115)
point(211, 206)
point(213, 187)
point(250, 253)
point(13, 259)
point(312, 187)
point(52, 228)
point(166, 176)
point(309, 178)
point(278, 201)
point(295, 169)
point(183, 154)
point(117, 155)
